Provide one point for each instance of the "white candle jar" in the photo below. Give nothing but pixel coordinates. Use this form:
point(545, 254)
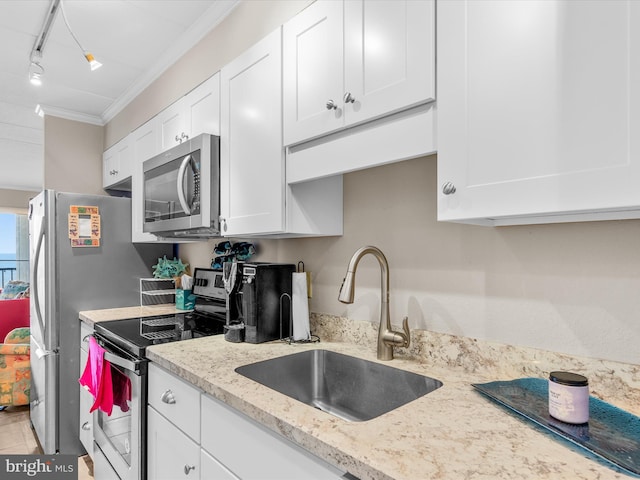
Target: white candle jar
point(569, 397)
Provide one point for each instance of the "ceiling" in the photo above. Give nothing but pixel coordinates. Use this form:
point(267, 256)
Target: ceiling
point(135, 40)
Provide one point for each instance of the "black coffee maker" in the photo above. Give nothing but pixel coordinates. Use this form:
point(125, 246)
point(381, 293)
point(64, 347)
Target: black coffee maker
point(259, 295)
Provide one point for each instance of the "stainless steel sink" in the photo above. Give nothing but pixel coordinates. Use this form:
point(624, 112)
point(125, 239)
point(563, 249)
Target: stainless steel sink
point(347, 387)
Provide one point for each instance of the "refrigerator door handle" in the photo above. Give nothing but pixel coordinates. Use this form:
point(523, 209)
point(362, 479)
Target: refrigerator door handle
point(36, 292)
point(41, 352)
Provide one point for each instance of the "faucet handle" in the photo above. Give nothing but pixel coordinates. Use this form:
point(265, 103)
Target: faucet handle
point(407, 333)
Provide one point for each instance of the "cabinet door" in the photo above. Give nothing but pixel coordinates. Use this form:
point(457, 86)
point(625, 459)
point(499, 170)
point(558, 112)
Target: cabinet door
point(144, 144)
point(117, 164)
point(272, 455)
point(171, 455)
point(389, 56)
point(172, 125)
point(211, 469)
point(109, 167)
point(538, 103)
point(251, 152)
point(312, 46)
point(202, 106)
point(86, 418)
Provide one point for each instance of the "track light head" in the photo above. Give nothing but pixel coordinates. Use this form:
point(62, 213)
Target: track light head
point(93, 63)
point(36, 71)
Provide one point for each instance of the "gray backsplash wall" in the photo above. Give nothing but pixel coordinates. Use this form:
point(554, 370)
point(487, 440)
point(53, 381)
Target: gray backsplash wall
point(571, 288)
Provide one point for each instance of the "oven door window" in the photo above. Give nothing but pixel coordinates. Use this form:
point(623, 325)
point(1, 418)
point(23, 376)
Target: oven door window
point(119, 427)
point(172, 190)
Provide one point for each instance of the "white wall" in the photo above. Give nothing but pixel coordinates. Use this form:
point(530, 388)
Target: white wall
point(571, 288)
point(73, 156)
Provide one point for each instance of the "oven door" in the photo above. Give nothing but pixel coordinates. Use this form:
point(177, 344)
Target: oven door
point(121, 435)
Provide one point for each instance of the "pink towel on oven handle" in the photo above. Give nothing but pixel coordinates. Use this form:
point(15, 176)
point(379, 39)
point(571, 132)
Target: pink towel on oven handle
point(96, 378)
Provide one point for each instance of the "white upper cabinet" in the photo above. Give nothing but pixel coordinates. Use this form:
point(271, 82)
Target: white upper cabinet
point(251, 154)
point(195, 113)
point(254, 197)
point(117, 166)
point(313, 80)
point(145, 145)
point(202, 108)
point(538, 111)
point(348, 63)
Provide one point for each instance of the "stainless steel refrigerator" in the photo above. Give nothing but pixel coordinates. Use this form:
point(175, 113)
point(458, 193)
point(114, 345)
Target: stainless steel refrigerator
point(65, 280)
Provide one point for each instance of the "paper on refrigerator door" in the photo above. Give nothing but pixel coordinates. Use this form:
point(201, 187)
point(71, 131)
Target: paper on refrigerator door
point(300, 307)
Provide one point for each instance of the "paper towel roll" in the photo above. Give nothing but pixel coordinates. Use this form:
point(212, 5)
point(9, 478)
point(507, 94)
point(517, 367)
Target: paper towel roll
point(300, 304)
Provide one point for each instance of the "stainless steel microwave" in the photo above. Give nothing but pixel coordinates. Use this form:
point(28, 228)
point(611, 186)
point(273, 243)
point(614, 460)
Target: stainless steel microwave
point(182, 189)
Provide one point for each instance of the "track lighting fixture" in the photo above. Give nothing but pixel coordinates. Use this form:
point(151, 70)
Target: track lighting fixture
point(93, 63)
point(36, 71)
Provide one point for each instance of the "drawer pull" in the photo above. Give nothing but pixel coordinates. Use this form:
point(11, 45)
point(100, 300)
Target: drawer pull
point(167, 397)
point(85, 426)
point(188, 468)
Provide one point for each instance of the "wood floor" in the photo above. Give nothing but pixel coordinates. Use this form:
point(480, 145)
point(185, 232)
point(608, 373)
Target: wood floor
point(17, 437)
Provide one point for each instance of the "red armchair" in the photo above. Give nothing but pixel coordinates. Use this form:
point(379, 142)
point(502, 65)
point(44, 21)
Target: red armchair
point(14, 313)
point(15, 369)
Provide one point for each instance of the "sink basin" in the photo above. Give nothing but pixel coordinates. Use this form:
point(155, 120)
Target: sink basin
point(347, 387)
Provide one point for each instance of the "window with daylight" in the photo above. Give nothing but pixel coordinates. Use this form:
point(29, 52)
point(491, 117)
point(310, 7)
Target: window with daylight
point(14, 248)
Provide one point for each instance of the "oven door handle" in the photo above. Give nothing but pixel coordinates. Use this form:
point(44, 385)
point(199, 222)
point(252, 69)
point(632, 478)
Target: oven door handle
point(120, 358)
point(122, 362)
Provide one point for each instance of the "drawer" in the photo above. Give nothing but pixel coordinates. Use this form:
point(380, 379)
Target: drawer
point(176, 399)
point(272, 455)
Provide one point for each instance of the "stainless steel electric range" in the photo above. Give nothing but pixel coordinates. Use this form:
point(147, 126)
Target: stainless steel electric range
point(121, 437)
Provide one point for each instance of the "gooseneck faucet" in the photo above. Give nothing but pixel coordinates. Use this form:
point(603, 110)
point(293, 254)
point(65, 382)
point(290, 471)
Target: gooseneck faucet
point(387, 338)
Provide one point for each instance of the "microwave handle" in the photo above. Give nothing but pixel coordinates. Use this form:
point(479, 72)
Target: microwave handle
point(181, 173)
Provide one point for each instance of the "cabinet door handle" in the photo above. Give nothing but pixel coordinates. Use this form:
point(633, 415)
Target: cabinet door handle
point(448, 188)
point(188, 468)
point(167, 397)
point(86, 426)
point(348, 98)
point(331, 105)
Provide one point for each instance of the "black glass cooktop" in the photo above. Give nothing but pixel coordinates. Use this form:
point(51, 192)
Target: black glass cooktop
point(136, 334)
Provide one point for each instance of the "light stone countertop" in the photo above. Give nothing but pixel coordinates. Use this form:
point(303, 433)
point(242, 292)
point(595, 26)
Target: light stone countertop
point(105, 315)
point(451, 433)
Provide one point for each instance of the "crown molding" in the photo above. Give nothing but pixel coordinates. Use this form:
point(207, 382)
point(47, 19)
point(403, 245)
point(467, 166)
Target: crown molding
point(71, 115)
point(206, 23)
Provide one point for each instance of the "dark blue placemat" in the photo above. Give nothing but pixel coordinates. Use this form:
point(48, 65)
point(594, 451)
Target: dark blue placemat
point(611, 433)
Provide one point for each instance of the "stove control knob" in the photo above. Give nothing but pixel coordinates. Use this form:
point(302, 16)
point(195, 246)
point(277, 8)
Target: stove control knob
point(167, 397)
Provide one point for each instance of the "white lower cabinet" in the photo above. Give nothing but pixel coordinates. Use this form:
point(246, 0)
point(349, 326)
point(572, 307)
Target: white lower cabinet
point(218, 449)
point(272, 456)
point(171, 455)
point(210, 468)
point(86, 399)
